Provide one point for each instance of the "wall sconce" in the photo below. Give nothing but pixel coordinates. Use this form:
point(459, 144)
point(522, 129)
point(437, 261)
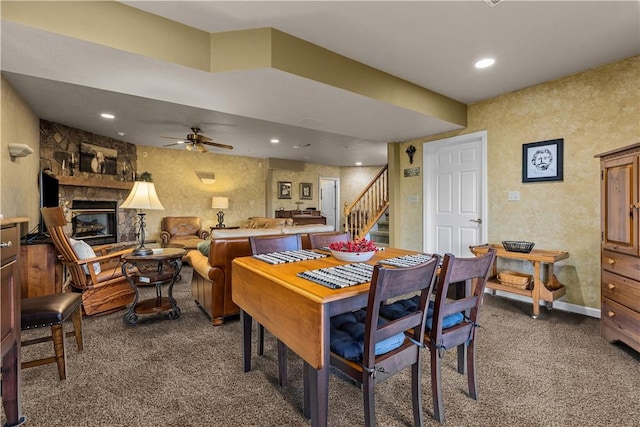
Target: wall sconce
point(20, 150)
point(206, 177)
point(410, 152)
point(220, 203)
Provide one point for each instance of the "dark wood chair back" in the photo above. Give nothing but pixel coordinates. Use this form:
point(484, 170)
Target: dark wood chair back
point(323, 240)
point(267, 244)
point(473, 271)
point(391, 283)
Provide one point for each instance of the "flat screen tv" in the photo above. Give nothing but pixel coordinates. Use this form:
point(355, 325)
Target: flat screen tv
point(49, 188)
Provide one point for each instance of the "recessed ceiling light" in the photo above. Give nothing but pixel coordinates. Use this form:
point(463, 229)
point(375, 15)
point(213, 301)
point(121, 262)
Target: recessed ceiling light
point(275, 140)
point(121, 133)
point(485, 62)
point(107, 116)
point(358, 163)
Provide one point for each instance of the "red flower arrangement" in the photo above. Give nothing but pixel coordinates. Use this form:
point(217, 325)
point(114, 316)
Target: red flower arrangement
point(358, 245)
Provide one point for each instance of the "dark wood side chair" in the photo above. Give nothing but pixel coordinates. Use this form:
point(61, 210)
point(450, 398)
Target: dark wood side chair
point(385, 350)
point(323, 240)
point(440, 338)
point(52, 311)
point(263, 245)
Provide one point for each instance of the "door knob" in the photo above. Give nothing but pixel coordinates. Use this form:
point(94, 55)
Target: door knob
point(479, 220)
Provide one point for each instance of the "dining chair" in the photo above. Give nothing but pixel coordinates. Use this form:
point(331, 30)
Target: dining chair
point(96, 272)
point(370, 350)
point(263, 245)
point(323, 240)
point(443, 334)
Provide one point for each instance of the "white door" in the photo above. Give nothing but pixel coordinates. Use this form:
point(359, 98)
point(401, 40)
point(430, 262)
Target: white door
point(329, 196)
point(455, 194)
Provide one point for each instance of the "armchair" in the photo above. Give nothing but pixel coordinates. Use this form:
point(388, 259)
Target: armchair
point(97, 276)
point(183, 230)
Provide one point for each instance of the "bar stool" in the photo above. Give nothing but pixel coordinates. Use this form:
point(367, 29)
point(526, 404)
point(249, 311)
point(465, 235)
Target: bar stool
point(52, 310)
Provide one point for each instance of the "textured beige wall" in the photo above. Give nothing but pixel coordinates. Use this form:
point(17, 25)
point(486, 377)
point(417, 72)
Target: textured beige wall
point(241, 179)
point(594, 111)
point(19, 177)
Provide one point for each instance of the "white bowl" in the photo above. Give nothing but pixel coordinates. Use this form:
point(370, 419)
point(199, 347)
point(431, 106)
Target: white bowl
point(353, 256)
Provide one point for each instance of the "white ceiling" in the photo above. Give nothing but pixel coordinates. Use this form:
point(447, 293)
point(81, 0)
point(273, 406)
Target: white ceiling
point(430, 43)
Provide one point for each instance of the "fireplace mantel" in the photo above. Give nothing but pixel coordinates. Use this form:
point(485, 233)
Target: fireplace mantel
point(80, 181)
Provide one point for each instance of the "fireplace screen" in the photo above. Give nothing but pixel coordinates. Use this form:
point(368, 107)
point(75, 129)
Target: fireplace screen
point(94, 221)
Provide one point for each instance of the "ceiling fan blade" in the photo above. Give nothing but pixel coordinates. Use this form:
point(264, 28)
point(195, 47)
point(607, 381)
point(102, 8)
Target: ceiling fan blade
point(176, 143)
point(216, 144)
point(202, 138)
point(171, 137)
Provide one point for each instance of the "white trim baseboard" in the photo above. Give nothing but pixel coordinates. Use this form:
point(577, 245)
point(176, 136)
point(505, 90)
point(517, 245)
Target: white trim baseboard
point(557, 305)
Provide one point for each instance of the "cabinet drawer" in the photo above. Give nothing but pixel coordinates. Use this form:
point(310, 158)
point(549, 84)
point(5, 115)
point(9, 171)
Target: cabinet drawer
point(624, 265)
point(621, 289)
point(622, 320)
point(9, 237)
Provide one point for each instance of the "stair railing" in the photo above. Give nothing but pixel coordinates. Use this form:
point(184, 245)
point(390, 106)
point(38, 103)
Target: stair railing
point(363, 213)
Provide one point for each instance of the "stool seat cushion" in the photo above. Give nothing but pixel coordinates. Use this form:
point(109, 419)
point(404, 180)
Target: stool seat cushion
point(47, 310)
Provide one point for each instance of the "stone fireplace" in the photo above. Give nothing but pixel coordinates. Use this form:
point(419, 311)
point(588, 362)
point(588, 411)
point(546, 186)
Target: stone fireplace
point(85, 196)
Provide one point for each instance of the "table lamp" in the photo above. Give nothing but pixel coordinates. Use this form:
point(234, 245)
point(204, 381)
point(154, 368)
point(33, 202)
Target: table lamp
point(220, 203)
point(143, 196)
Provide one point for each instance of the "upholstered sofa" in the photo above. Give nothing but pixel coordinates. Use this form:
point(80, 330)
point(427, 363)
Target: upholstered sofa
point(211, 285)
point(182, 230)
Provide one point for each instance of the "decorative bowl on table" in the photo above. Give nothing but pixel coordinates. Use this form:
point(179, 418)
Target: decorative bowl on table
point(518, 246)
point(359, 250)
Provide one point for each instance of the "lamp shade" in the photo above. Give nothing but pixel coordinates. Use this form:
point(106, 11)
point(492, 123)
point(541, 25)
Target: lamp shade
point(220, 203)
point(143, 196)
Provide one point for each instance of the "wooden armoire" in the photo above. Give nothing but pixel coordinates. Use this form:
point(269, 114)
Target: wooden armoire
point(620, 259)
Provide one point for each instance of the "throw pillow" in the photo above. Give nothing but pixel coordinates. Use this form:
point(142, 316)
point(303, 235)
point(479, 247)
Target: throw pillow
point(204, 247)
point(84, 251)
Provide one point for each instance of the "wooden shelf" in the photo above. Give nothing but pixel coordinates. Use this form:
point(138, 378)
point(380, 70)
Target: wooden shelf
point(542, 260)
point(80, 181)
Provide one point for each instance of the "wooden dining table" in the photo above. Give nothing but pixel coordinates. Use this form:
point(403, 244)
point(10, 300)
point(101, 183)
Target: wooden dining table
point(297, 312)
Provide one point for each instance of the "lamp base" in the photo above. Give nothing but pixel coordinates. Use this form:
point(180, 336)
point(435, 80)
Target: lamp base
point(141, 251)
point(220, 219)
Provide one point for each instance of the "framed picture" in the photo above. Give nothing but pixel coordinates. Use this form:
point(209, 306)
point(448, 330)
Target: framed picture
point(542, 161)
point(306, 191)
point(96, 159)
point(284, 190)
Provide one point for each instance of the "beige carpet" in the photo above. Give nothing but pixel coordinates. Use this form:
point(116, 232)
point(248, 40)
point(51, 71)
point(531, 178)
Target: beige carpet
point(553, 371)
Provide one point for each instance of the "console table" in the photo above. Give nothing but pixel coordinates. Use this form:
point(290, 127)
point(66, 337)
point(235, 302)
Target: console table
point(303, 217)
point(542, 260)
point(159, 268)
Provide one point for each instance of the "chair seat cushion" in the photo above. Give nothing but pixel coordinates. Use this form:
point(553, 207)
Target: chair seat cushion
point(347, 336)
point(47, 310)
point(402, 307)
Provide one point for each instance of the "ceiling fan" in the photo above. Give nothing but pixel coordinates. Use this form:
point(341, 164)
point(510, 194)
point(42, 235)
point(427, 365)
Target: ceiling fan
point(197, 141)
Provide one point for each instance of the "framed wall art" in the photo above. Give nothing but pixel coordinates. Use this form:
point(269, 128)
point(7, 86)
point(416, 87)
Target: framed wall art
point(284, 190)
point(97, 159)
point(543, 161)
point(306, 191)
